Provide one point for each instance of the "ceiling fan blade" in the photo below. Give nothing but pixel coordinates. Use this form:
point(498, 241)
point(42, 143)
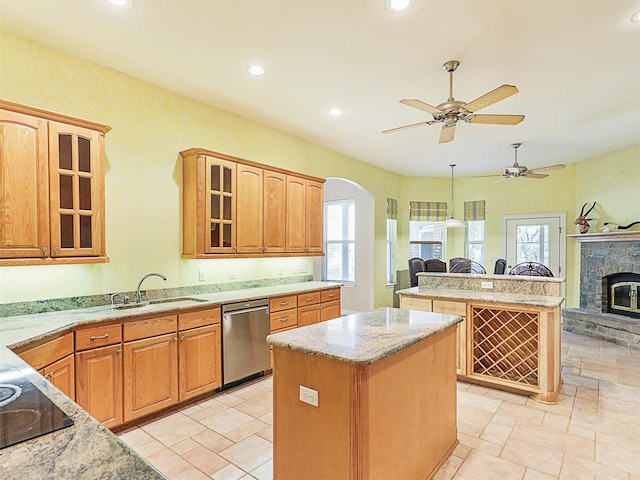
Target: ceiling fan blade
point(420, 105)
point(486, 176)
point(501, 179)
point(528, 174)
point(405, 127)
point(495, 119)
point(546, 169)
point(447, 133)
point(490, 98)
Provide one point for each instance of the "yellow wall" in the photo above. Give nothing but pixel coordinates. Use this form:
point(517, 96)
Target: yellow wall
point(143, 177)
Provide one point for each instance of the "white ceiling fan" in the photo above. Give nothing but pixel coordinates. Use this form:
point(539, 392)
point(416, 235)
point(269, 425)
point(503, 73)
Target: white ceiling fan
point(452, 111)
point(517, 170)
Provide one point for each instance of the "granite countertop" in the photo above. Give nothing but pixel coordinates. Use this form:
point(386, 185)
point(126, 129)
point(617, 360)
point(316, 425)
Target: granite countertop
point(87, 449)
point(484, 296)
point(492, 276)
point(24, 329)
point(364, 338)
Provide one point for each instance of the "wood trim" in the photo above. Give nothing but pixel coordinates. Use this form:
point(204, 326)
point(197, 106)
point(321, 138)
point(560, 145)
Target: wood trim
point(277, 304)
point(198, 318)
point(210, 256)
point(150, 327)
point(22, 262)
point(93, 337)
point(54, 116)
point(224, 156)
point(49, 352)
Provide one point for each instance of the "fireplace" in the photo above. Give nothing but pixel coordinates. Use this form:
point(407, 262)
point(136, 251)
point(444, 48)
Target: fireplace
point(620, 293)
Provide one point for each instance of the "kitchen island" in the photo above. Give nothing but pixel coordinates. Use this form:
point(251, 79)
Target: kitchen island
point(510, 338)
point(365, 396)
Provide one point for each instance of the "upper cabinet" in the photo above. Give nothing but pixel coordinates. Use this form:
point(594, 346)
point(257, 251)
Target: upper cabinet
point(51, 188)
point(237, 207)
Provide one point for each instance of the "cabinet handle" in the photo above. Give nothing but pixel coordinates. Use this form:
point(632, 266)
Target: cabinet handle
point(331, 295)
point(282, 304)
point(182, 338)
point(96, 337)
point(284, 319)
point(308, 299)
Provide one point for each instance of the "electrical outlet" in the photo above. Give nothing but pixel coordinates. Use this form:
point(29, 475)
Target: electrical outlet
point(202, 275)
point(281, 270)
point(308, 395)
point(302, 268)
point(232, 274)
point(486, 285)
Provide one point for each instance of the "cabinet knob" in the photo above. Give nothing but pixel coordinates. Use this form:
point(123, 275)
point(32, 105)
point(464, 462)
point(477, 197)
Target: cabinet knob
point(119, 350)
point(55, 249)
point(182, 338)
point(50, 375)
point(44, 250)
point(175, 339)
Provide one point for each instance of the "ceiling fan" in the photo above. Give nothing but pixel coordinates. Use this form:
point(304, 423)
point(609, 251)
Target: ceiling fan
point(517, 171)
point(450, 112)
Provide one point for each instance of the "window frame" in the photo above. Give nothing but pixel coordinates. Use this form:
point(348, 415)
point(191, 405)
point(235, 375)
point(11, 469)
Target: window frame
point(346, 253)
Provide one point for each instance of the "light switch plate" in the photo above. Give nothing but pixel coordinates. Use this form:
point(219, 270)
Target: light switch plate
point(308, 395)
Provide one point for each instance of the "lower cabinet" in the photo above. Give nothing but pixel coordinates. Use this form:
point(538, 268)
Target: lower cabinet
point(199, 361)
point(99, 383)
point(62, 375)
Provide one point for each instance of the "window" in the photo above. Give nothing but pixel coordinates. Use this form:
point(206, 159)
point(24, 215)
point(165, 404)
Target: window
point(532, 244)
point(474, 217)
point(427, 235)
point(392, 236)
point(340, 246)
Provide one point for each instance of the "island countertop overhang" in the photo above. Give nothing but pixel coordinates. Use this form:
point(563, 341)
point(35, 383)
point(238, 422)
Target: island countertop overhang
point(364, 338)
point(484, 296)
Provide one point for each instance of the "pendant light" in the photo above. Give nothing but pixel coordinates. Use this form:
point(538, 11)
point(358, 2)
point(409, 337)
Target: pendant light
point(452, 222)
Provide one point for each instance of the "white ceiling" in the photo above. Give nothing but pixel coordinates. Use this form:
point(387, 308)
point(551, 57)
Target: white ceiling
point(575, 63)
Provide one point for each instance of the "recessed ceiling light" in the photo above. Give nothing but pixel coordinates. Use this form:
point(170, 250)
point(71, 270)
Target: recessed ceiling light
point(635, 18)
point(121, 3)
point(398, 5)
point(256, 70)
point(335, 112)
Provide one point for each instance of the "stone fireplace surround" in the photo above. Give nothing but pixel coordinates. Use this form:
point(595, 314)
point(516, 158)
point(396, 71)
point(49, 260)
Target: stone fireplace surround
point(600, 255)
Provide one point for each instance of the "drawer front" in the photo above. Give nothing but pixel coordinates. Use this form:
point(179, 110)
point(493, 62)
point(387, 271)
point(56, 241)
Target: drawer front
point(98, 336)
point(330, 295)
point(149, 327)
point(413, 303)
point(47, 353)
point(283, 303)
point(452, 308)
point(310, 298)
point(280, 320)
point(201, 318)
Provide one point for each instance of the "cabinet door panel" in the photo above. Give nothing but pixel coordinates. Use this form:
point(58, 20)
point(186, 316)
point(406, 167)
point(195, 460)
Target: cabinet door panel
point(249, 209)
point(62, 375)
point(24, 187)
point(220, 206)
point(200, 358)
point(150, 375)
point(295, 214)
point(99, 383)
point(274, 192)
point(308, 315)
point(330, 310)
point(313, 216)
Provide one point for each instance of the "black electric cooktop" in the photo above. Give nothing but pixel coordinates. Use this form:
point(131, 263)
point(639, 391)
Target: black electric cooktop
point(25, 412)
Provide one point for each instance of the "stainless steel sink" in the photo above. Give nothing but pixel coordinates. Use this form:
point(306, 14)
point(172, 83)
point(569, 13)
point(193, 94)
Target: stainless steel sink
point(160, 301)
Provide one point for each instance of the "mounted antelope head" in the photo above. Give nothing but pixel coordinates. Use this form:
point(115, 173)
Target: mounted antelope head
point(582, 220)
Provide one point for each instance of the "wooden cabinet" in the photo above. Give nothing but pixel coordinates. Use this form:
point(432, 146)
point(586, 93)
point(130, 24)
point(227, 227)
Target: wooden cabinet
point(199, 353)
point(304, 215)
point(283, 313)
point(54, 360)
point(237, 207)
point(99, 366)
point(51, 187)
point(314, 307)
point(150, 365)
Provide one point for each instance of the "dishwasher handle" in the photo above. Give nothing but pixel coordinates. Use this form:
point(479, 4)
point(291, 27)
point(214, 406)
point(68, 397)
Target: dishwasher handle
point(246, 310)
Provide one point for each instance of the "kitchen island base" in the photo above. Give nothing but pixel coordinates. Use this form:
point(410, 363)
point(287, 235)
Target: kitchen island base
point(395, 418)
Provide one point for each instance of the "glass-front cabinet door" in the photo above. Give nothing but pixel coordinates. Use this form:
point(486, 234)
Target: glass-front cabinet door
point(220, 203)
point(75, 164)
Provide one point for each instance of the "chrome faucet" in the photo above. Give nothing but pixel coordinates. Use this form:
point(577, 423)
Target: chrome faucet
point(138, 295)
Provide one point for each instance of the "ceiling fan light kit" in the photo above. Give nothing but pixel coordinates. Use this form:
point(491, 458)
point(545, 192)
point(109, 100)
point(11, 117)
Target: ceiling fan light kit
point(452, 111)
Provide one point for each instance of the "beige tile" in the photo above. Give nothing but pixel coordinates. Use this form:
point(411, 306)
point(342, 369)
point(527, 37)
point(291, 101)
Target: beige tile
point(227, 420)
point(532, 456)
point(618, 457)
point(204, 411)
point(559, 441)
point(587, 393)
point(556, 421)
point(245, 430)
point(579, 469)
point(266, 433)
point(511, 397)
point(531, 474)
point(480, 402)
point(191, 474)
point(257, 406)
point(582, 432)
point(480, 465)
point(478, 389)
point(496, 433)
point(205, 460)
point(563, 406)
point(268, 418)
point(477, 444)
point(502, 420)
point(212, 440)
point(229, 399)
point(521, 412)
point(173, 428)
point(169, 463)
point(135, 438)
point(472, 421)
point(249, 453)
point(184, 446)
point(150, 448)
point(230, 472)
point(461, 451)
point(264, 471)
point(448, 469)
point(631, 443)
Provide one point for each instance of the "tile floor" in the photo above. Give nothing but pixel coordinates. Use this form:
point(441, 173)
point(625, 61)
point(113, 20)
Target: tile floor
point(592, 433)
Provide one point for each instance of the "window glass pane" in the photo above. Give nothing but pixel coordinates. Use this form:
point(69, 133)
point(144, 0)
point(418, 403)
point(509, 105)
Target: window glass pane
point(84, 155)
point(215, 207)
point(64, 152)
point(215, 235)
point(66, 231)
point(85, 231)
point(215, 178)
point(226, 235)
point(85, 193)
point(426, 240)
point(475, 231)
point(340, 240)
point(475, 240)
point(66, 191)
point(532, 243)
point(475, 252)
point(226, 208)
point(226, 181)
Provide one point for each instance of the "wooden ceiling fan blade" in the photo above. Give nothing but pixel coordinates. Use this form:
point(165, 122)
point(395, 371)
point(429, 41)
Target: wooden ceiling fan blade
point(528, 174)
point(490, 98)
point(420, 105)
point(486, 176)
point(496, 119)
point(546, 169)
point(447, 133)
point(501, 179)
point(406, 127)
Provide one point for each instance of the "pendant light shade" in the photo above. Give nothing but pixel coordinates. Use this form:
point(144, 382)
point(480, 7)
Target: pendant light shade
point(453, 222)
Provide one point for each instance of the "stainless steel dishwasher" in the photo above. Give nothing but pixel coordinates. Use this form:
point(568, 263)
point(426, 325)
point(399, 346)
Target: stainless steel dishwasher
point(245, 352)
